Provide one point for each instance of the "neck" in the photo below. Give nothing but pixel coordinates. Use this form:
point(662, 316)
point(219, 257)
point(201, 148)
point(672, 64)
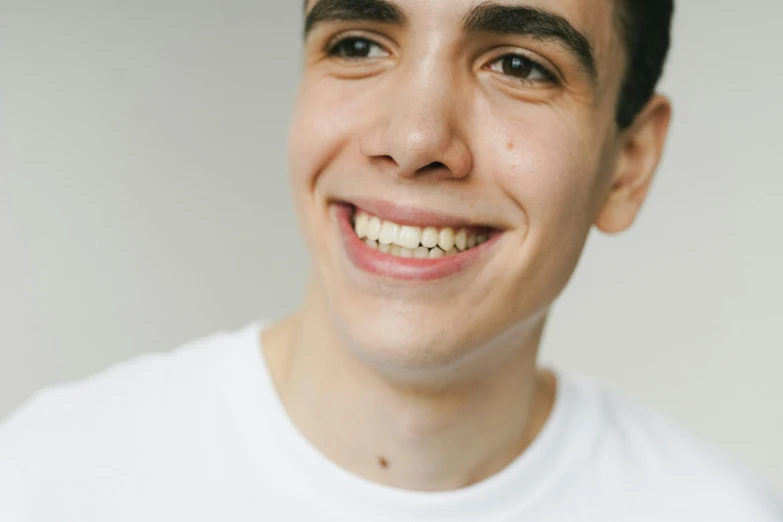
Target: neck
point(407, 436)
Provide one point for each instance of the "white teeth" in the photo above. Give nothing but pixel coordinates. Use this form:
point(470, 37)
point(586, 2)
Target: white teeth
point(417, 253)
point(446, 239)
point(374, 228)
point(421, 253)
point(409, 237)
point(388, 234)
point(414, 242)
point(362, 220)
point(461, 239)
point(430, 237)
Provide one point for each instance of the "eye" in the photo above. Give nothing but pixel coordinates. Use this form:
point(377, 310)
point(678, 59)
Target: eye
point(522, 68)
point(356, 48)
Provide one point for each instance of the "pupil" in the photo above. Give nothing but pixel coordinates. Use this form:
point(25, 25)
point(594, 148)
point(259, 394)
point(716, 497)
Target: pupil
point(356, 48)
point(517, 66)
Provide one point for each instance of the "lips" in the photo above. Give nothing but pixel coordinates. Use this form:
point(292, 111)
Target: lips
point(410, 244)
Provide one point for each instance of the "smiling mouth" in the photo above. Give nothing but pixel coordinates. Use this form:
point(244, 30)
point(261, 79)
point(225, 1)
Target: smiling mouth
point(407, 241)
point(411, 244)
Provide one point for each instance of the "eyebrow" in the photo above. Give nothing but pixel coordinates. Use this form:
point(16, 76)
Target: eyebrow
point(531, 22)
point(378, 11)
point(488, 17)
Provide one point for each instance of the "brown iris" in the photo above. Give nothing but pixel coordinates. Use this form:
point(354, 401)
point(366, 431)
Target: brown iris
point(352, 48)
point(517, 66)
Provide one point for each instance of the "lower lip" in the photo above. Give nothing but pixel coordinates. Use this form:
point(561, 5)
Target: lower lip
point(407, 269)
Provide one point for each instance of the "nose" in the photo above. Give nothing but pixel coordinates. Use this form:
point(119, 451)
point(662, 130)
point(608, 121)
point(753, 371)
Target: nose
point(417, 130)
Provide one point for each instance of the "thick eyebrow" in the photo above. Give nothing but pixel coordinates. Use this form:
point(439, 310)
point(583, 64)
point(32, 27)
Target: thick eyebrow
point(531, 22)
point(377, 11)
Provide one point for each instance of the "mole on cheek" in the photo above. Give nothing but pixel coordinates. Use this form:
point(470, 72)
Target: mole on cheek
point(383, 462)
point(510, 145)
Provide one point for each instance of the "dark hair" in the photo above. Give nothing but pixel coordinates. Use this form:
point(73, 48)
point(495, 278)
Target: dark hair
point(645, 28)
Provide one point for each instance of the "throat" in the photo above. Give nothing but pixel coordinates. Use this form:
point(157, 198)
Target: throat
point(404, 437)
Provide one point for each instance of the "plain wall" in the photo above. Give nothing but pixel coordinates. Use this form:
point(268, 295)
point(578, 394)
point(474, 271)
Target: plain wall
point(144, 203)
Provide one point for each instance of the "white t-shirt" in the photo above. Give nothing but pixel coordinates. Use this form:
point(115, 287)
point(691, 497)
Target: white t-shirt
point(199, 435)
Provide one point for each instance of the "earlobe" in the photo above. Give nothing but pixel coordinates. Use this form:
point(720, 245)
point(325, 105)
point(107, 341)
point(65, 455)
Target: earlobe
point(640, 152)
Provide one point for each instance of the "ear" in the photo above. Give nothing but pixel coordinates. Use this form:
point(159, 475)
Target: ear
point(641, 147)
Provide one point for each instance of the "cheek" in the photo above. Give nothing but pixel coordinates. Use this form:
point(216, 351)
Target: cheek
point(551, 158)
point(325, 117)
point(549, 168)
point(326, 120)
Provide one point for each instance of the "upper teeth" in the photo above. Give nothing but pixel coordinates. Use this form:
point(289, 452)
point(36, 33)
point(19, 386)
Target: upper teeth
point(414, 241)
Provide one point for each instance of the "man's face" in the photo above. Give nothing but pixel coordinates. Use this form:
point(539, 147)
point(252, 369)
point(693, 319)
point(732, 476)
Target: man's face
point(494, 119)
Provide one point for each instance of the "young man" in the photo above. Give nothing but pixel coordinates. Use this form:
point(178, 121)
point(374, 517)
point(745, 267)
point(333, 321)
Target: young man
point(448, 158)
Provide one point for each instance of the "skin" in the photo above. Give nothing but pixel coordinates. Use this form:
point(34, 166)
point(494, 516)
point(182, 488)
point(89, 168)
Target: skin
point(437, 381)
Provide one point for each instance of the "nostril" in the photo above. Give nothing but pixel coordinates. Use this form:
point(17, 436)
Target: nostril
point(435, 165)
point(385, 161)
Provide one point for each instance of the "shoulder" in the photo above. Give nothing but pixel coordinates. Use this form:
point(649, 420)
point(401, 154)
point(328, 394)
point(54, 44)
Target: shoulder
point(667, 471)
point(127, 388)
point(115, 418)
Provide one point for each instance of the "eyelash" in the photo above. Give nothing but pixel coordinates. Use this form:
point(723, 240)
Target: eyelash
point(334, 44)
point(546, 72)
point(332, 50)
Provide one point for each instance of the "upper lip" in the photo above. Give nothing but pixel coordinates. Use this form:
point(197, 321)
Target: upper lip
point(412, 216)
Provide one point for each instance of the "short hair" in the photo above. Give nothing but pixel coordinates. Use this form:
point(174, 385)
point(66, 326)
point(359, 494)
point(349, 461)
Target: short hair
point(645, 29)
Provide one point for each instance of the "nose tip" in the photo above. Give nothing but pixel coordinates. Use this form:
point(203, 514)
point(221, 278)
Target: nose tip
point(434, 151)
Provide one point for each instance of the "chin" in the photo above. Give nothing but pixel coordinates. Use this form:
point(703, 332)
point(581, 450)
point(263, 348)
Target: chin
point(402, 339)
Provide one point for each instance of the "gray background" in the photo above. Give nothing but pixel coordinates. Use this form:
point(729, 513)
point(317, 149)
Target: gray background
point(144, 203)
